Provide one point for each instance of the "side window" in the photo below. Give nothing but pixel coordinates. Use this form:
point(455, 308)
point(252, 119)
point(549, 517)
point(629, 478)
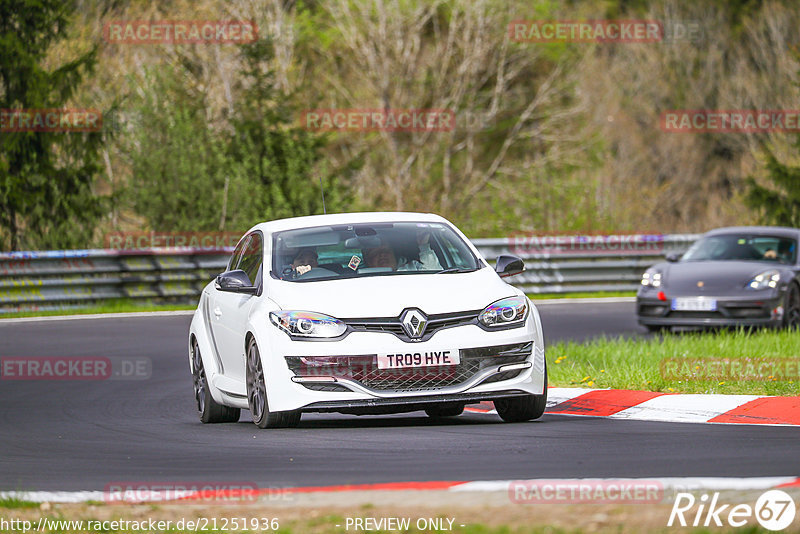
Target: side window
point(252, 257)
point(237, 254)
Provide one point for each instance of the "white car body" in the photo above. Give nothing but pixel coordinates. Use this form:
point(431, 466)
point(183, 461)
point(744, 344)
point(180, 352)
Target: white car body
point(225, 323)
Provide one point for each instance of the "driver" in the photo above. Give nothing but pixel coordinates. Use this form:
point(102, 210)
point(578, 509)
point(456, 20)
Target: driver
point(305, 260)
point(784, 253)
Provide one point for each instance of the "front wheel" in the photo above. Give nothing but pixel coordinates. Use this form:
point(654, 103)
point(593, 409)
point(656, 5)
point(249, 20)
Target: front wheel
point(207, 408)
point(524, 408)
point(257, 395)
point(791, 313)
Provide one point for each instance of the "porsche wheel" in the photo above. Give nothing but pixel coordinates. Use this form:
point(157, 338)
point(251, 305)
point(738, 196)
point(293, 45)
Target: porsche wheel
point(207, 408)
point(257, 395)
point(791, 314)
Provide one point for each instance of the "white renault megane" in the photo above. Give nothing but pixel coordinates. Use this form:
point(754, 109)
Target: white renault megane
point(364, 313)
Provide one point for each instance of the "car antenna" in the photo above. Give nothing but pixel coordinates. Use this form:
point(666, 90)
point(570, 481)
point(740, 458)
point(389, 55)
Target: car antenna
point(322, 190)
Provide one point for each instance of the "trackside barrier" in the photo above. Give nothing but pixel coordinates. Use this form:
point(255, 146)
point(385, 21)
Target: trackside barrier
point(63, 279)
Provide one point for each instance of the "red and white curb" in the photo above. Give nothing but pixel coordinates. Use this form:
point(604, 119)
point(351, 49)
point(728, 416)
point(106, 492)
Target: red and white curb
point(665, 485)
point(668, 407)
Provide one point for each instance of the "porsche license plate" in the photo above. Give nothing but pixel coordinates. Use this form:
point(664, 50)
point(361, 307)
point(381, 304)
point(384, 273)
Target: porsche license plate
point(694, 304)
point(427, 358)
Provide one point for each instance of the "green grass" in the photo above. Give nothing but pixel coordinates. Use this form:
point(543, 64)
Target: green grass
point(14, 503)
point(111, 306)
point(596, 294)
point(637, 363)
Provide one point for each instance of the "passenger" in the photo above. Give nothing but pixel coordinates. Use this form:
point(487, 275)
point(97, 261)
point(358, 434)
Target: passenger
point(384, 256)
point(305, 260)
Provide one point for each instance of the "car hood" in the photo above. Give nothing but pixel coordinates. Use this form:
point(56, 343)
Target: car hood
point(716, 276)
point(388, 296)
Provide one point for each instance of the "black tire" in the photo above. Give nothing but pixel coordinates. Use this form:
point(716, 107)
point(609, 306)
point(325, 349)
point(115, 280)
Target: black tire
point(446, 410)
point(791, 309)
point(524, 408)
point(257, 395)
point(207, 408)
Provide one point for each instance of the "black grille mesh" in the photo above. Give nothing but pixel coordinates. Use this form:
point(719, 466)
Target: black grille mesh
point(364, 369)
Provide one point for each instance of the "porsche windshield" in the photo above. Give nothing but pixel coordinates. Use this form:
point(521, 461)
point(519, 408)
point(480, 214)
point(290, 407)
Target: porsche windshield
point(357, 250)
point(773, 249)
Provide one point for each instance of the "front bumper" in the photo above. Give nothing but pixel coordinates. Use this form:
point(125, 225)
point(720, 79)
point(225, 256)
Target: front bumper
point(361, 388)
point(406, 404)
point(748, 310)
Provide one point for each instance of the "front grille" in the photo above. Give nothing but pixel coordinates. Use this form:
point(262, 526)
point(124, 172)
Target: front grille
point(392, 325)
point(364, 369)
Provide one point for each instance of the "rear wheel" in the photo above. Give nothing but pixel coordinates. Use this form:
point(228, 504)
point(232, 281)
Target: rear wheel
point(524, 408)
point(257, 395)
point(791, 313)
point(207, 408)
point(446, 410)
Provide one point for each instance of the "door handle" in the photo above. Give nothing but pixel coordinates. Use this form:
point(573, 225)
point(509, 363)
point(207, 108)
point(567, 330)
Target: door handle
point(217, 312)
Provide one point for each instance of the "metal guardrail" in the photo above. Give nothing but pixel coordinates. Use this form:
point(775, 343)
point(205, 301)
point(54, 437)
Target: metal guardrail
point(44, 280)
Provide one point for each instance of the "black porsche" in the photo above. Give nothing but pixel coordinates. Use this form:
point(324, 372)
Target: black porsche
point(737, 276)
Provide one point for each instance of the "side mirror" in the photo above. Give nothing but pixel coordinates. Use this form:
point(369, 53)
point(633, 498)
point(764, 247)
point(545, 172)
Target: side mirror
point(235, 281)
point(508, 265)
point(673, 257)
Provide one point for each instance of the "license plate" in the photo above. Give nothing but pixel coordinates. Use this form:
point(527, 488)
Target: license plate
point(422, 358)
point(694, 304)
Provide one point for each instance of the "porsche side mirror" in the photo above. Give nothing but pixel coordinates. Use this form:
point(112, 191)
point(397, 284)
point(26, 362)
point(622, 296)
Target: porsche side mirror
point(673, 257)
point(508, 265)
point(235, 281)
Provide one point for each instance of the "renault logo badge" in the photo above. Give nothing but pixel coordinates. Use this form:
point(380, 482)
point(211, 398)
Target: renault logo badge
point(414, 322)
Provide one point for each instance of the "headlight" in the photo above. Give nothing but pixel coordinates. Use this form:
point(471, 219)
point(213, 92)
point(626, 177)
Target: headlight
point(505, 312)
point(652, 278)
point(765, 280)
point(307, 324)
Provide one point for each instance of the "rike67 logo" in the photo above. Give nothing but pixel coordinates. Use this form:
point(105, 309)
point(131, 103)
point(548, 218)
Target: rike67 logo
point(774, 510)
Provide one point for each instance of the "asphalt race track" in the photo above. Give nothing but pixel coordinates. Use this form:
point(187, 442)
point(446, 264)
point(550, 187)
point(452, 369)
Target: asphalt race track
point(70, 435)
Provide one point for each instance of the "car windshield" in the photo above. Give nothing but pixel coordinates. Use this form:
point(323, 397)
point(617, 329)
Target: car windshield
point(379, 249)
point(740, 247)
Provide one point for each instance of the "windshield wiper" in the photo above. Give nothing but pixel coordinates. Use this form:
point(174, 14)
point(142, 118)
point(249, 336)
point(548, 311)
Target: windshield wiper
point(455, 270)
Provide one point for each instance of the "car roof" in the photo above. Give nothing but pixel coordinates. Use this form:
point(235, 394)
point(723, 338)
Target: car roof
point(279, 225)
point(778, 231)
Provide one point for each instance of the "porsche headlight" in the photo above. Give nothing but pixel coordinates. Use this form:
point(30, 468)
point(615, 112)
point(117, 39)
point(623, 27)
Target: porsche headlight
point(307, 324)
point(652, 278)
point(505, 312)
point(766, 280)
